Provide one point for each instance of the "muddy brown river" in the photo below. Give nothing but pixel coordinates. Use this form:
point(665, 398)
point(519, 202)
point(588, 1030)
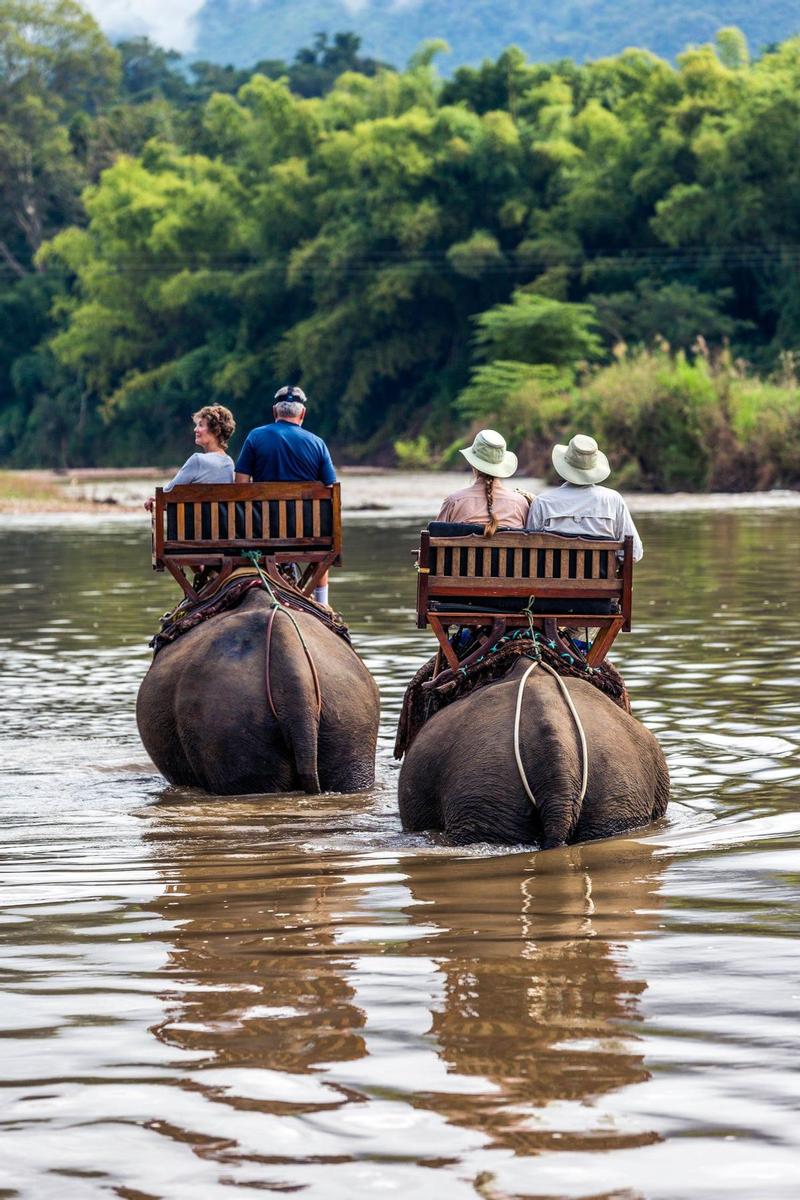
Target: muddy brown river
point(210, 997)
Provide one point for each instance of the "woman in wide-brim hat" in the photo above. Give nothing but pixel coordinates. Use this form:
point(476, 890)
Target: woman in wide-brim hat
point(487, 501)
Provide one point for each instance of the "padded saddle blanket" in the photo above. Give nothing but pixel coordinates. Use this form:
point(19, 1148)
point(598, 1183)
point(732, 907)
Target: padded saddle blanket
point(229, 594)
point(420, 703)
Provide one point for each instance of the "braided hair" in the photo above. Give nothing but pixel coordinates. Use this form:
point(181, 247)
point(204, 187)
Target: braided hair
point(488, 482)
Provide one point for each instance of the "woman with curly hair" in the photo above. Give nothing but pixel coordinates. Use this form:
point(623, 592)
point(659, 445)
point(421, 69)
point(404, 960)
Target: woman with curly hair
point(213, 429)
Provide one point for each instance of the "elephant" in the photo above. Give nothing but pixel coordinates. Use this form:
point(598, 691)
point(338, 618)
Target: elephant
point(460, 776)
point(206, 719)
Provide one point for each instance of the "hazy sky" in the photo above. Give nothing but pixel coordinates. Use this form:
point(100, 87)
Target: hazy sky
point(171, 23)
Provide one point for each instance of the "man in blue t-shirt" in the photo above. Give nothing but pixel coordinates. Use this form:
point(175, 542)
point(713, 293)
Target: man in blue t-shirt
point(284, 452)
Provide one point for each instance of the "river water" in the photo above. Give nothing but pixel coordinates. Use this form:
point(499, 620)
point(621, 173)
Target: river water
point(207, 997)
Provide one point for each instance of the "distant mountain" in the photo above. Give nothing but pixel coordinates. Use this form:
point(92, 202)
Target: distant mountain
point(244, 31)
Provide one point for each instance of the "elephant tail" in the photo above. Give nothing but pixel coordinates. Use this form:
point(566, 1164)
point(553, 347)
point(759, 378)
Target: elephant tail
point(301, 738)
point(296, 701)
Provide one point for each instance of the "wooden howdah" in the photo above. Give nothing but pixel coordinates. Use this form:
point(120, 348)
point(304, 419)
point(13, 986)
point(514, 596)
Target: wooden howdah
point(202, 525)
point(464, 580)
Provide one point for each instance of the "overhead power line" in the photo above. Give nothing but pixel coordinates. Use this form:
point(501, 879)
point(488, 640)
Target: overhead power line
point(619, 257)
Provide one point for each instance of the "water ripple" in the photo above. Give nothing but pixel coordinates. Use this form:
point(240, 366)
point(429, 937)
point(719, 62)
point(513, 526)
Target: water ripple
point(288, 993)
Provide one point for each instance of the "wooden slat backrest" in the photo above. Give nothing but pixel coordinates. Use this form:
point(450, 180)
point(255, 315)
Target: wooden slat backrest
point(520, 565)
point(509, 563)
point(291, 519)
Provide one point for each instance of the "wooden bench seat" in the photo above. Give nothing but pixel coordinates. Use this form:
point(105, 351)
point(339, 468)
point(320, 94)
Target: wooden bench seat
point(202, 525)
point(515, 578)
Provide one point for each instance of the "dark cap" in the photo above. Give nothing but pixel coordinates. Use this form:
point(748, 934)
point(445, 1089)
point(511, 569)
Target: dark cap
point(291, 392)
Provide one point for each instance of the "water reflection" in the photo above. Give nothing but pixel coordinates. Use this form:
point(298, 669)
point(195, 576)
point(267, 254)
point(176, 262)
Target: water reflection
point(492, 993)
point(263, 939)
point(539, 1000)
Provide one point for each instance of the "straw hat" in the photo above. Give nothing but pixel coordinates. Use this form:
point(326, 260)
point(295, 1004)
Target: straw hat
point(488, 454)
point(581, 461)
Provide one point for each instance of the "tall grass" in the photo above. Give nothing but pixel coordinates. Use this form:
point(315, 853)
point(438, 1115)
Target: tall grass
point(668, 423)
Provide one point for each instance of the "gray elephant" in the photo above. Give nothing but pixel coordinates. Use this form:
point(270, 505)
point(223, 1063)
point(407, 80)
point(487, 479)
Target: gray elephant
point(460, 774)
point(207, 720)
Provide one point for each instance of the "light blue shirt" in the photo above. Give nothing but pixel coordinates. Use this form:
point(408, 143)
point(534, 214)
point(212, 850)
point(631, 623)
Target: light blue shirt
point(203, 468)
point(584, 508)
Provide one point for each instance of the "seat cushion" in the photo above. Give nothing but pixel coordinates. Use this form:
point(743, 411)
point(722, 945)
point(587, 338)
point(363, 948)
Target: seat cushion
point(461, 529)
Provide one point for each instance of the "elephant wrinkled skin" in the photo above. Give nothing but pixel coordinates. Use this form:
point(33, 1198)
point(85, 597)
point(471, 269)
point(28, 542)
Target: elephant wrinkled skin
point(205, 720)
point(460, 775)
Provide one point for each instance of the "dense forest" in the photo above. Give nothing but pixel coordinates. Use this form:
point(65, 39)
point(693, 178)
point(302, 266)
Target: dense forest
point(611, 247)
point(233, 30)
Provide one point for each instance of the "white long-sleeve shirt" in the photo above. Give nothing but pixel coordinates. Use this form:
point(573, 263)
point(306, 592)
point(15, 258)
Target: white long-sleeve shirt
point(590, 508)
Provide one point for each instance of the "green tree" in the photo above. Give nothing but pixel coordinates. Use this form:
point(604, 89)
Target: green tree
point(535, 329)
point(316, 68)
point(413, 251)
point(156, 281)
point(531, 350)
point(150, 72)
point(677, 313)
point(54, 61)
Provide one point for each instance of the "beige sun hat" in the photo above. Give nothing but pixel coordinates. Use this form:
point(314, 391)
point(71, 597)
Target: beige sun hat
point(488, 454)
point(581, 461)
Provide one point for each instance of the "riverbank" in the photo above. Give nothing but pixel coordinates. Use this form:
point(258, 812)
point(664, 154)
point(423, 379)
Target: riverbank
point(31, 492)
point(113, 493)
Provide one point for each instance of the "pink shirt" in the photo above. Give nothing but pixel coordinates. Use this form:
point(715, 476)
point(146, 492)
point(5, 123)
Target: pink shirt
point(469, 505)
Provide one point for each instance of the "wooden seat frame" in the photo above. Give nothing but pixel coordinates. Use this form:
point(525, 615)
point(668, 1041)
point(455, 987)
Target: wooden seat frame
point(598, 570)
point(311, 547)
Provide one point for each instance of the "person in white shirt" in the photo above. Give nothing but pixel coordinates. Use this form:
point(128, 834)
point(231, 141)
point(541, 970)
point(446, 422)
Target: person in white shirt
point(580, 505)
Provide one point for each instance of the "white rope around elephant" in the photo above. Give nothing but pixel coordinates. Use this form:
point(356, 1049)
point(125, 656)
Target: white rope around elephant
point(578, 726)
